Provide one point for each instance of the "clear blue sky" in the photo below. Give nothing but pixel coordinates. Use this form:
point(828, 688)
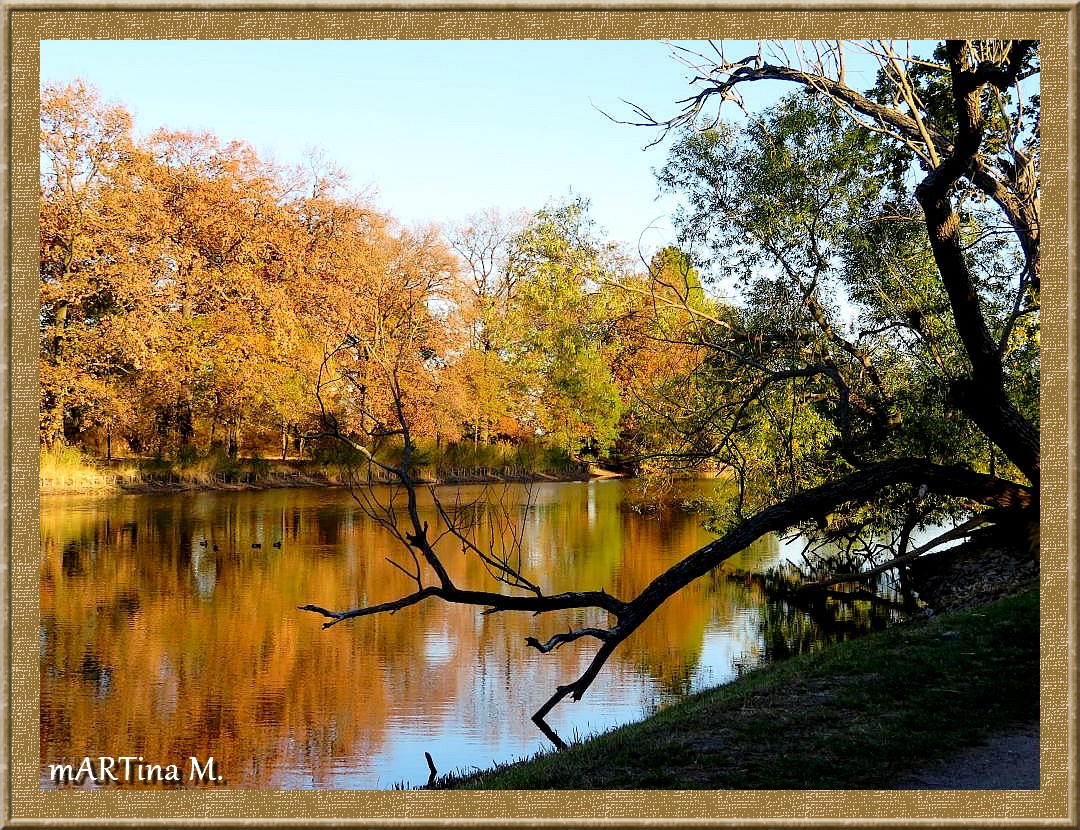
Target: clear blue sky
point(439, 129)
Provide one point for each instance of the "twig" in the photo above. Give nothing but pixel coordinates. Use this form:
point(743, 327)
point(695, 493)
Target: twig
point(431, 766)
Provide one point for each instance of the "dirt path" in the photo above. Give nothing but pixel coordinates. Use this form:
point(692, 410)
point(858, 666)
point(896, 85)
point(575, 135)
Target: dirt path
point(1009, 761)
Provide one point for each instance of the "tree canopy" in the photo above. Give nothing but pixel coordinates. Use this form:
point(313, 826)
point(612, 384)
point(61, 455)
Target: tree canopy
point(190, 293)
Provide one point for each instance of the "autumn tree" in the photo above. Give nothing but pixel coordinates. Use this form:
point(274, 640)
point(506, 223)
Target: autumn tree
point(485, 300)
point(189, 289)
point(83, 293)
point(152, 298)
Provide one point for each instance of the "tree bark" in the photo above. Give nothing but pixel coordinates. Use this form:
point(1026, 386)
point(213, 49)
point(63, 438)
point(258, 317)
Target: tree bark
point(982, 396)
point(185, 428)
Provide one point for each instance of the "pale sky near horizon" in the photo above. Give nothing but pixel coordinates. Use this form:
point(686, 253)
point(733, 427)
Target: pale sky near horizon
point(439, 129)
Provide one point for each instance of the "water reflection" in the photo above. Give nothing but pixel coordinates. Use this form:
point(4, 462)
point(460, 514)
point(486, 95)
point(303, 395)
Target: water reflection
point(170, 629)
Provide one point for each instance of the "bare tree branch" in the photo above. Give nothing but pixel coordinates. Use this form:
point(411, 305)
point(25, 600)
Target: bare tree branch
point(630, 615)
point(721, 80)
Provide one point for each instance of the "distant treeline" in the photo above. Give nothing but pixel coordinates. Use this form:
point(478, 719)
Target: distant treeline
point(199, 301)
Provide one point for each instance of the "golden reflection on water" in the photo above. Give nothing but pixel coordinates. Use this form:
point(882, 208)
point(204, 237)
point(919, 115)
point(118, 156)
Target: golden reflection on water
point(154, 644)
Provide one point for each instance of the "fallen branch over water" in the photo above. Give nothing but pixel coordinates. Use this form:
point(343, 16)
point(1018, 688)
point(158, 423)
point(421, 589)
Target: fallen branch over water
point(630, 614)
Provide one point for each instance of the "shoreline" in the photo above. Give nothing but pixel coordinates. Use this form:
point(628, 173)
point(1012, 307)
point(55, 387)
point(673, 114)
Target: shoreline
point(862, 714)
point(128, 485)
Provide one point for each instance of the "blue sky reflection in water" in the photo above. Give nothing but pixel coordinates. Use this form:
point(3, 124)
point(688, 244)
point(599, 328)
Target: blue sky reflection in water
point(152, 639)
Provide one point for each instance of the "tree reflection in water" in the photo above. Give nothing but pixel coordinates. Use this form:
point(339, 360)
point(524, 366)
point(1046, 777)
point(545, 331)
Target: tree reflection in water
point(794, 622)
point(156, 644)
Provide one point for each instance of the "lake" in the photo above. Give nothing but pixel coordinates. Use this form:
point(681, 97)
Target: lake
point(155, 645)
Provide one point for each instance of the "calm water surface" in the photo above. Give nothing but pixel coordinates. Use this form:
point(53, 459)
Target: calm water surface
point(155, 645)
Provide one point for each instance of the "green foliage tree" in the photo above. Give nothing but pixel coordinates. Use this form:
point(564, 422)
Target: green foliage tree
point(559, 266)
point(876, 321)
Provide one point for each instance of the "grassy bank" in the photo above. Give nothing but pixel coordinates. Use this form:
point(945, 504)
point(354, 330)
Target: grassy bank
point(69, 470)
point(852, 716)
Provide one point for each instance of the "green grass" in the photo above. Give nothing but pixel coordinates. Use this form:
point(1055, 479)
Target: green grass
point(851, 716)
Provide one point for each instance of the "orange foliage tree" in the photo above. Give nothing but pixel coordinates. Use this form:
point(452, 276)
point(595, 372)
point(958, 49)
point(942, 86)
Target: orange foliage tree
point(189, 289)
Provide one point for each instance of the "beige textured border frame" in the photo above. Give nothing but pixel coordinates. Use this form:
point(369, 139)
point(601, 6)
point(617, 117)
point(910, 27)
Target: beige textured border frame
point(26, 23)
